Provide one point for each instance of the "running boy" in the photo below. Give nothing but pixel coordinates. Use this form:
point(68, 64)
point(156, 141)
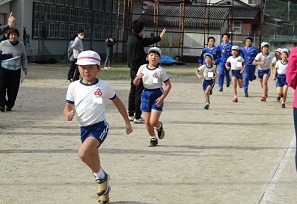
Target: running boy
point(280, 76)
point(225, 49)
point(272, 67)
point(153, 95)
point(237, 65)
point(87, 95)
point(209, 76)
point(263, 61)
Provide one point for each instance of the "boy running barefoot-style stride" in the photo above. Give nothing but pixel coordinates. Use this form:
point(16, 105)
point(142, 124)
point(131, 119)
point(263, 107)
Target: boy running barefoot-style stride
point(152, 98)
point(88, 96)
point(209, 75)
point(280, 76)
point(263, 61)
point(237, 65)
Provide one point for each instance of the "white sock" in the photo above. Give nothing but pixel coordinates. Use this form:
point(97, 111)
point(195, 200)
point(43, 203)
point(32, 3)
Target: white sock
point(153, 137)
point(100, 174)
point(235, 96)
point(206, 103)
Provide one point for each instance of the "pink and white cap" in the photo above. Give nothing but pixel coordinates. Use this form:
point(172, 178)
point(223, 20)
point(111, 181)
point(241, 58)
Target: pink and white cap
point(88, 57)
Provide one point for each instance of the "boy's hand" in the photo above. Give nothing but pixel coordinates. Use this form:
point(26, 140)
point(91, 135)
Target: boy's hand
point(129, 129)
point(70, 115)
point(163, 33)
point(241, 72)
point(228, 68)
point(159, 101)
point(199, 76)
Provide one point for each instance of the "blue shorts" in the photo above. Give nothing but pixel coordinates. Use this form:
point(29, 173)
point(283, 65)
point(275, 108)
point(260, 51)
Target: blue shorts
point(281, 80)
point(236, 73)
point(262, 72)
point(97, 130)
point(148, 100)
point(206, 83)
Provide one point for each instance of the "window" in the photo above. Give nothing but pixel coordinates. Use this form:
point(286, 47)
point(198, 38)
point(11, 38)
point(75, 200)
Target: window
point(237, 27)
point(252, 1)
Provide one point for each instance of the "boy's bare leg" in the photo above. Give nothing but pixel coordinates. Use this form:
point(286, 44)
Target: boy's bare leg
point(89, 154)
point(265, 85)
point(149, 127)
point(285, 91)
point(240, 83)
point(154, 119)
point(234, 82)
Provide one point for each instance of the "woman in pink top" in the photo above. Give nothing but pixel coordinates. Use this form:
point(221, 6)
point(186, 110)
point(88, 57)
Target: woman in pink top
point(291, 77)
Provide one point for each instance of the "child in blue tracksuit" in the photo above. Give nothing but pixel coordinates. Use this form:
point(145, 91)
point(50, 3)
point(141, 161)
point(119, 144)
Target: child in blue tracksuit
point(225, 50)
point(211, 49)
point(248, 53)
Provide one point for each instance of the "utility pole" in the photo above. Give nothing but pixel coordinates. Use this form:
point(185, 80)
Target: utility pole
point(289, 10)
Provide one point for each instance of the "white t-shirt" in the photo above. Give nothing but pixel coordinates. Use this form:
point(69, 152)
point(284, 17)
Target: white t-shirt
point(236, 63)
point(267, 59)
point(281, 68)
point(88, 100)
point(152, 78)
point(208, 72)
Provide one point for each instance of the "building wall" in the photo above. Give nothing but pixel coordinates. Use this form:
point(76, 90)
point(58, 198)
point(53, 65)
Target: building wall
point(4, 12)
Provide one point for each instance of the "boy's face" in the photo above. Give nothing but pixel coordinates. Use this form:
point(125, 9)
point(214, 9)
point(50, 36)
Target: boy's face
point(277, 55)
point(234, 53)
point(225, 38)
point(284, 55)
point(211, 42)
point(248, 43)
point(88, 72)
point(208, 59)
point(153, 58)
point(265, 49)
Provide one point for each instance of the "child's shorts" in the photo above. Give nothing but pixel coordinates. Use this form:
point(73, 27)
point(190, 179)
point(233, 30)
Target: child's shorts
point(206, 83)
point(262, 72)
point(97, 130)
point(148, 100)
point(281, 80)
point(237, 74)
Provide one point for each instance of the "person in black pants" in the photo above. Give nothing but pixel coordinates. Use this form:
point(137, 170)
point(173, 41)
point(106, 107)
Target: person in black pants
point(135, 58)
point(72, 68)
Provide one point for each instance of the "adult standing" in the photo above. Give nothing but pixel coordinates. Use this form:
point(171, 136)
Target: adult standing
point(248, 53)
point(109, 42)
point(13, 59)
point(291, 78)
point(226, 52)
point(77, 47)
point(72, 68)
point(137, 57)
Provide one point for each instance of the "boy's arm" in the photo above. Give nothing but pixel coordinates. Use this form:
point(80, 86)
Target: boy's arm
point(68, 112)
point(137, 79)
point(198, 74)
point(244, 66)
point(120, 106)
point(160, 100)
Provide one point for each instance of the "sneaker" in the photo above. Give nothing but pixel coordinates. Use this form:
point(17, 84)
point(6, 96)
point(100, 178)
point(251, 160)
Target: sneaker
point(283, 105)
point(110, 68)
point(246, 94)
point(206, 106)
point(105, 67)
point(131, 118)
point(153, 143)
point(161, 132)
point(103, 199)
point(8, 109)
point(235, 100)
point(263, 98)
point(2, 108)
point(138, 121)
point(221, 89)
point(228, 84)
point(278, 99)
point(102, 185)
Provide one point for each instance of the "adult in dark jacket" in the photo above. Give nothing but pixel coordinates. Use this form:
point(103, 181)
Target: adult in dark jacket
point(137, 57)
point(109, 42)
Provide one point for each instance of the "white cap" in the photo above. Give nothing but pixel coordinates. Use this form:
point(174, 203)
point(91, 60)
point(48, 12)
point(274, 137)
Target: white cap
point(207, 54)
point(284, 50)
point(278, 50)
point(235, 47)
point(88, 57)
point(155, 49)
point(264, 44)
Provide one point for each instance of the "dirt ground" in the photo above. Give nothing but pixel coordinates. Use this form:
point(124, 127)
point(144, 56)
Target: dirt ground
point(232, 153)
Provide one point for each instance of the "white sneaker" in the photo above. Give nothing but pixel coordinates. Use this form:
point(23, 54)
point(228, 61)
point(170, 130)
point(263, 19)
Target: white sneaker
point(110, 68)
point(138, 121)
point(105, 67)
point(131, 118)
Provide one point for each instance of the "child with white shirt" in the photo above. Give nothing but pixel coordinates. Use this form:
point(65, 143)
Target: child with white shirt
point(209, 75)
point(152, 98)
point(263, 61)
point(237, 65)
point(280, 76)
point(87, 96)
